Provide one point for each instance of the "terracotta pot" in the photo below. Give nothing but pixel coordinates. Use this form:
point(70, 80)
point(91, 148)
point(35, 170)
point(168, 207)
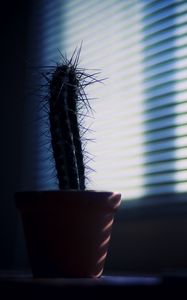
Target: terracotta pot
point(67, 232)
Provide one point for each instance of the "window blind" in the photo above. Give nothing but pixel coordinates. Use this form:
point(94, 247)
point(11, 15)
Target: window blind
point(140, 119)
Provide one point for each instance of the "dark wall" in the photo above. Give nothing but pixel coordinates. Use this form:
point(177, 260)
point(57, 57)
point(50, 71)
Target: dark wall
point(14, 36)
point(149, 239)
point(143, 244)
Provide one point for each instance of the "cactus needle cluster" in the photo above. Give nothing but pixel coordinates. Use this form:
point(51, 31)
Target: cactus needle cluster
point(68, 104)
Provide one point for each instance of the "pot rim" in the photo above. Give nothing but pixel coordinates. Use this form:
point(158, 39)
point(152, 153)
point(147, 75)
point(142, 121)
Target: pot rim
point(32, 198)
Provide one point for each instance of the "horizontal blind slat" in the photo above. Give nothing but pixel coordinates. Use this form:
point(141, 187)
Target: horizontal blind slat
point(141, 113)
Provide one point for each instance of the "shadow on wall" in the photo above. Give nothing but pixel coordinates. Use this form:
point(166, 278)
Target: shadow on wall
point(21, 38)
point(14, 23)
point(149, 239)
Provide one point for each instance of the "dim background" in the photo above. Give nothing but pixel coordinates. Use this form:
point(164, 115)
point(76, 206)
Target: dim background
point(14, 37)
point(149, 236)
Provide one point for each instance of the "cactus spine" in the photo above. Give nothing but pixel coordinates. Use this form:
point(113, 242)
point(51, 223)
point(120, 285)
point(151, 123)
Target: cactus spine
point(66, 96)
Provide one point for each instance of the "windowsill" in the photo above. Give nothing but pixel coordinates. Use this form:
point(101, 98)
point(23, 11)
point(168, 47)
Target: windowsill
point(22, 284)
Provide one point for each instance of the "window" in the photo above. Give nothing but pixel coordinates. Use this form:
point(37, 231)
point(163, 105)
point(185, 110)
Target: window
point(141, 111)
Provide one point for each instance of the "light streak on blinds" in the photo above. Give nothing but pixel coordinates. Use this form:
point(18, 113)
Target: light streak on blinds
point(165, 72)
point(118, 122)
point(140, 119)
point(181, 111)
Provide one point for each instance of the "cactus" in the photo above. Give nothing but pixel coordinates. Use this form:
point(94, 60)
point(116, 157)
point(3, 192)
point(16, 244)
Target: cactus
point(67, 101)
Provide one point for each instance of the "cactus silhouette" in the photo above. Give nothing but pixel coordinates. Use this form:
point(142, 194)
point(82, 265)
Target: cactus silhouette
point(68, 103)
